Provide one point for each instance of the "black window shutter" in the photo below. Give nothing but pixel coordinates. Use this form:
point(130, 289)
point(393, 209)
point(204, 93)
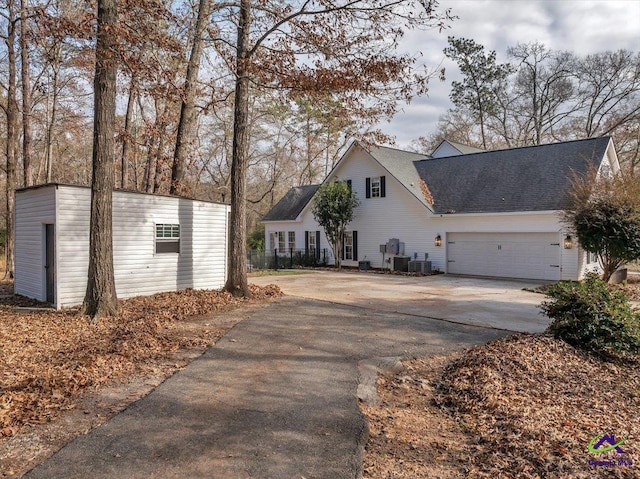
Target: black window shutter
point(382, 187)
point(349, 184)
point(318, 244)
point(368, 188)
point(306, 243)
point(355, 246)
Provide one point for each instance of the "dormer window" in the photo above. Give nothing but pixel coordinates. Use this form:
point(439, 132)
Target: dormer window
point(375, 187)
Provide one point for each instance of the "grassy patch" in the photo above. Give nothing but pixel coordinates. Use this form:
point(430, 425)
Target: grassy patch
point(277, 272)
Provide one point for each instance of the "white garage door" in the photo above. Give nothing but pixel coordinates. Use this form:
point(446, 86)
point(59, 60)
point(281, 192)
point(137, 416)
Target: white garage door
point(510, 255)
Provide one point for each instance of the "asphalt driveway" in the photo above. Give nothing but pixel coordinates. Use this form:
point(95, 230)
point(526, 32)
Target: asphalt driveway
point(277, 397)
point(495, 303)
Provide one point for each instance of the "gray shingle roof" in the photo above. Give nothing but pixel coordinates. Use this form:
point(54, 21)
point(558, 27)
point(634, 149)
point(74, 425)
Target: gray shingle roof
point(535, 178)
point(292, 204)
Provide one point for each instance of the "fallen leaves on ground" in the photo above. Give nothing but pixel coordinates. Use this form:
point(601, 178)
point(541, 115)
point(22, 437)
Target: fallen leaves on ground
point(631, 286)
point(48, 358)
point(525, 406)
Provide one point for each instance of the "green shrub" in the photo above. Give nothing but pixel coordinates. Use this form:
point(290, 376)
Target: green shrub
point(590, 316)
point(3, 238)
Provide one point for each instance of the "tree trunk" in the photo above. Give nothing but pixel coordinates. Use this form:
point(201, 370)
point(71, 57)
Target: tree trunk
point(187, 110)
point(26, 94)
point(237, 274)
point(128, 136)
point(100, 299)
point(52, 121)
point(12, 138)
point(157, 178)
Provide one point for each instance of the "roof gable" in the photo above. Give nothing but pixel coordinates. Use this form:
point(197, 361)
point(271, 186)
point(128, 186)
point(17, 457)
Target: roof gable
point(450, 148)
point(291, 204)
point(400, 164)
point(535, 178)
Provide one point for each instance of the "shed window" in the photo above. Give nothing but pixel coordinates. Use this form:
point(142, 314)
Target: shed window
point(167, 238)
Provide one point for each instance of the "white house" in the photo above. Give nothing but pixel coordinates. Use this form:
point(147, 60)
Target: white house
point(486, 213)
point(160, 243)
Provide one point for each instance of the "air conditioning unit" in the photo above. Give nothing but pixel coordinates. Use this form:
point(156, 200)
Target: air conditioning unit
point(423, 267)
point(400, 263)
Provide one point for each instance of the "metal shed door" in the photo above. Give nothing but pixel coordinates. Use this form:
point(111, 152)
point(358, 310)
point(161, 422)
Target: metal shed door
point(510, 255)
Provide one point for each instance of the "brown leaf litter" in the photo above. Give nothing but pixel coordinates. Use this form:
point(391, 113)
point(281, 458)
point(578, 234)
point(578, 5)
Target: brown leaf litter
point(49, 360)
point(525, 406)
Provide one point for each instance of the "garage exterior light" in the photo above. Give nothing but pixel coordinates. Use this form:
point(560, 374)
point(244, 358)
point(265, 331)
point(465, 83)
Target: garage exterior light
point(568, 242)
point(438, 240)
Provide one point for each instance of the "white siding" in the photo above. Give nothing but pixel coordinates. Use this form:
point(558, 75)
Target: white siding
point(72, 247)
point(397, 215)
point(138, 269)
point(400, 215)
point(34, 209)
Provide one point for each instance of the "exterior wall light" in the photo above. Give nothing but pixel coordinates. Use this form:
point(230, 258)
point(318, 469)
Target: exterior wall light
point(568, 242)
point(438, 241)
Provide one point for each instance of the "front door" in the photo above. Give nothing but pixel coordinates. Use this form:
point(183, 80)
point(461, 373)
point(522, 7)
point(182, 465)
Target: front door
point(49, 262)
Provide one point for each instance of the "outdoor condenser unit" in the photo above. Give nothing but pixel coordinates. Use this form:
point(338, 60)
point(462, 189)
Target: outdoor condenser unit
point(423, 267)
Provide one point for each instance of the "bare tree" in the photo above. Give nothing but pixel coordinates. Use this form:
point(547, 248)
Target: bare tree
point(609, 87)
point(26, 93)
point(348, 48)
point(187, 110)
point(545, 88)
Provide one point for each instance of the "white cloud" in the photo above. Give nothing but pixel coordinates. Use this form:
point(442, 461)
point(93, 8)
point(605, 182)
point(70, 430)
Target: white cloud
point(582, 26)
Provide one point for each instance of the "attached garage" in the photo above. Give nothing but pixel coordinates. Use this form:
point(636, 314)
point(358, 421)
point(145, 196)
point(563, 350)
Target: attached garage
point(509, 255)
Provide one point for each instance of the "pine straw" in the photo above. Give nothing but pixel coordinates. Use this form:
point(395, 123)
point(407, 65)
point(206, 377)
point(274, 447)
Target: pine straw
point(533, 404)
point(48, 358)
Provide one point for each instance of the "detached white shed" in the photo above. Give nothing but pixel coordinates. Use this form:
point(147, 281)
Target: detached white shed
point(160, 243)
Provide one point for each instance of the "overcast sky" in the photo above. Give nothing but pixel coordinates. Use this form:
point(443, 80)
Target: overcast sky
point(581, 26)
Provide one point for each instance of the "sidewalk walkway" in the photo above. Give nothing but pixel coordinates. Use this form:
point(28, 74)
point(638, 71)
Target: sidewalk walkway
point(275, 398)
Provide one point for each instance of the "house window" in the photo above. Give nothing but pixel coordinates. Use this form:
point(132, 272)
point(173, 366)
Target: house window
point(167, 238)
point(592, 258)
point(348, 245)
point(292, 240)
point(375, 187)
point(312, 243)
point(282, 247)
point(272, 240)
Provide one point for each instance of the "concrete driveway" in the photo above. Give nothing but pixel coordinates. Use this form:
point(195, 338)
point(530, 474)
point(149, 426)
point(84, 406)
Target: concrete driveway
point(277, 397)
point(500, 304)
